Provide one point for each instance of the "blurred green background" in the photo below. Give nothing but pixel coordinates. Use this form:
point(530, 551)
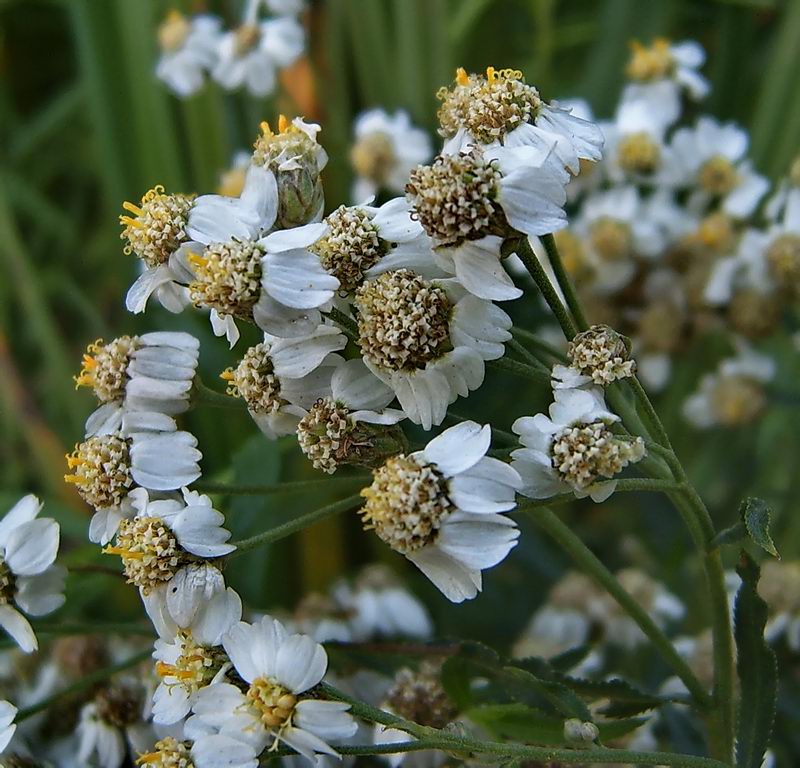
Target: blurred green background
point(85, 125)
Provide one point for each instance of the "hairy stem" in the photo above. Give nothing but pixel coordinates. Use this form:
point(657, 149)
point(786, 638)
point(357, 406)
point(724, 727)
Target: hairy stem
point(303, 521)
point(346, 323)
point(536, 270)
point(297, 486)
point(588, 562)
point(204, 395)
point(523, 370)
point(539, 344)
point(549, 243)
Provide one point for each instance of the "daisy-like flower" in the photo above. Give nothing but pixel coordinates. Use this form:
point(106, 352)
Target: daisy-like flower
point(351, 425)
point(279, 378)
point(188, 51)
point(360, 242)
point(427, 340)
point(416, 695)
point(152, 372)
point(732, 395)
point(501, 108)
point(441, 508)
point(386, 148)
point(468, 202)
point(164, 547)
point(272, 705)
point(659, 72)
point(295, 158)
point(29, 581)
point(111, 727)
point(596, 356)
point(147, 450)
point(156, 228)
point(574, 449)
point(378, 605)
point(192, 657)
point(250, 55)
point(711, 159)
point(7, 725)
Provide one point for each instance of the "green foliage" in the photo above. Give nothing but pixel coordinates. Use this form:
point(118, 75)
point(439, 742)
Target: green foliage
point(755, 516)
point(757, 668)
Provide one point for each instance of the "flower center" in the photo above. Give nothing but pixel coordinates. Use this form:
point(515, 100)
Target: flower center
point(255, 381)
point(611, 239)
point(406, 503)
point(373, 157)
point(403, 320)
point(323, 432)
point(489, 106)
point(718, 176)
point(351, 246)
point(246, 38)
point(661, 327)
point(274, 702)
point(271, 149)
point(737, 400)
point(173, 31)
point(600, 353)
point(653, 63)
point(638, 153)
point(573, 255)
point(227, 278)
point(119, 706)
point(102, 470)
point(196, 665)
point(753, 313)
point(8, 583)
point(149, 550)
point(582, 454)
point(454, 198)
point(783, 256)
point(105, 368)
point(419, 696)
point(168, 753)
point(716, 231)
point(157, 227)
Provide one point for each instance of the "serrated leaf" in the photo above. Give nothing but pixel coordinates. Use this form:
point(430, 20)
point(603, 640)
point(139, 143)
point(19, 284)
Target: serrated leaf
point(757, 669)
point(459, 670)
point(559, 696)
point(755, 514)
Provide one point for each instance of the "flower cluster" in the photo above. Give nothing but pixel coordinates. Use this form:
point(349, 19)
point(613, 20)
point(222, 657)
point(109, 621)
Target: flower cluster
point(269, 38)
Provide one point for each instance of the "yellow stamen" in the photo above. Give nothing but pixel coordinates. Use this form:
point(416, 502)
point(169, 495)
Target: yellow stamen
point(227, 374)
point(283, 124)
point(462, 78)
point(134, 209)
point(265, 129)
point(125, 554)
point(491, 74)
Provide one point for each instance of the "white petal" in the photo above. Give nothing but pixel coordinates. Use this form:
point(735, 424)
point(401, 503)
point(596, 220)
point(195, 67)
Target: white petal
point(32, 546)
point(41, 594)
point(190, 588)
point(17, 626)
point(456, 582)
point(459, 448)
point(221, 751)
point(330, 720)
point(300, 663)
point(489, 486)
point(477, 541)
point(217, 617)
point(296, 279)
point(357, 387)
point(25, 510)
point(295, 238)
point(479, 268)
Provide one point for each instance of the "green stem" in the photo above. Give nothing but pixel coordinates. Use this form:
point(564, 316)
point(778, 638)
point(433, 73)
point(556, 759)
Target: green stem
point(431, 738)
point(278, 488)
point(87, 681)
point(549, 243)
point(536, 270)
point(347, 324)
point(303, 521)
point(207, 396)
point(651, 417)
point(519, 369)
point(534, 341)
point(585, 559)
point(528, 356)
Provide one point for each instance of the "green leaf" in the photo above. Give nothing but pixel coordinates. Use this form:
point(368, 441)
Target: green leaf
point(457, 672)
point(755, 514)
point(559, 696)
point(757, 668)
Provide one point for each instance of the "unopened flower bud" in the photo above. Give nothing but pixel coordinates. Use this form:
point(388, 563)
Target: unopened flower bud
point(601, 353)
point(578, 732)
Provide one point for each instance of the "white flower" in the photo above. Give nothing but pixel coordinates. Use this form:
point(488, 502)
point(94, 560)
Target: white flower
point(7, 725)
point(188, 51)
point(379, 606)
point(660, 72)
point(734, 394)
point(280, 378)
point(152, 372)
point(29, 580)
point(278, 669)
point(427, 340)
point(502, 109)
point(574, 449)
point(161, 545)
point(162, 223)
point(192, 657)
point(146, 449)
point(250, 55)
point(335, 428)
point(385, 150)
point(468, 202)
point(441, 508)
point(710, 157)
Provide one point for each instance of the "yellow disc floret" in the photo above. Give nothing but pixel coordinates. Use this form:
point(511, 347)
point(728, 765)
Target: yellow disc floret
point(102, 472)
point(105, 368)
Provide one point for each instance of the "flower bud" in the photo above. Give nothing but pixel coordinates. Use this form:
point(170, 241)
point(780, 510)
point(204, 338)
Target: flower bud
point(578, 732)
